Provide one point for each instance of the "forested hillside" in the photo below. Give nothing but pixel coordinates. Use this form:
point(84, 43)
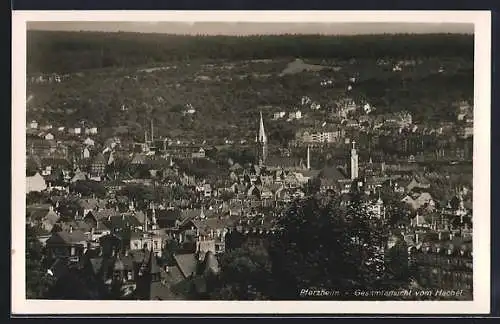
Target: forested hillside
point(127, 79)
point(72, 52)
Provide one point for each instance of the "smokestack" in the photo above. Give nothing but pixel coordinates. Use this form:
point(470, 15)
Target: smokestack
point(152, 132)
point(416, 238)
point(308, 157)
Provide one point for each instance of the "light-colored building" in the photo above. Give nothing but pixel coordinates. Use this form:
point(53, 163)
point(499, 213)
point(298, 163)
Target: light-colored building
point(146, 241)
point(33, 124)
point(35, 183)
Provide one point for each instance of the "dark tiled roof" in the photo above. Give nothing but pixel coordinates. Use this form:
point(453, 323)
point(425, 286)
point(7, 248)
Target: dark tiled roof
point(75, 236)
point(187, 263)
point(96, 264)
point(121, 222)
point(92, 203)
point(99, 159)
point(283, 162)
point(38, 212)
point(332, 173)
point(169, 214)
point(104, 213)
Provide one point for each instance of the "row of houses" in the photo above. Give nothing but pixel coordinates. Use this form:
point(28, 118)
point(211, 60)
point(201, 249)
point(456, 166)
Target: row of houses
point(34, 125)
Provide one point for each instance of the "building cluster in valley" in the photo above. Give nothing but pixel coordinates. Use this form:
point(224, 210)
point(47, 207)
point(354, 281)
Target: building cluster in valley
point(100, 234)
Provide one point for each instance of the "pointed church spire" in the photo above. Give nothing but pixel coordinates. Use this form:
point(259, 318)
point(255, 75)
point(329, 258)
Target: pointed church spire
point(202, 213)
point(261, 142)
point(262, 132)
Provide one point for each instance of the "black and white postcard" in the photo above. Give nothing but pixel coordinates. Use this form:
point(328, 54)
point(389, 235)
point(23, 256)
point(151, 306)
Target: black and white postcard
point(251, 162)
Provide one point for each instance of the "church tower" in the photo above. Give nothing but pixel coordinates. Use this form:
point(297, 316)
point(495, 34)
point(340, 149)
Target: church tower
point(261, 142)
point(354, 162)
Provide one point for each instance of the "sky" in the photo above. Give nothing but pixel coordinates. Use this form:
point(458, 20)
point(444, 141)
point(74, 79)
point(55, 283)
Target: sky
point(253, 28)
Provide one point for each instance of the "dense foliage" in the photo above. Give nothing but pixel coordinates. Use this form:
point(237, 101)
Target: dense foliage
point(38, 282)
point(323, 245)
point(73, 52)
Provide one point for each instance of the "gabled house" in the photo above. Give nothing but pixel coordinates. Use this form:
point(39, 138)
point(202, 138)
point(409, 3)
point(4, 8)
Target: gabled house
point(43, 215)
point(67, 244)
point(169, 218)
point(90, 205)
point(98, 165)
point(78, 176)
point(419, 201)
point(147, 241)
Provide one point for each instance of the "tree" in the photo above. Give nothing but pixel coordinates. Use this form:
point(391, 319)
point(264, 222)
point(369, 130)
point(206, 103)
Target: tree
point(68, 208)
point(36, 197)
point(322, 244)
point(88, 188)
point(138, 193)
point(245, 275)
point(37, 281)
point(326, 245)
point(398, 213)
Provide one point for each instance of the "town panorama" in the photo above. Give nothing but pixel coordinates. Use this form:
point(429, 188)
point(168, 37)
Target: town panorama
point(277, 167)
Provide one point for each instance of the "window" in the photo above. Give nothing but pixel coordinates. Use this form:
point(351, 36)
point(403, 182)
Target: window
point(155, 245)
point(136, 245)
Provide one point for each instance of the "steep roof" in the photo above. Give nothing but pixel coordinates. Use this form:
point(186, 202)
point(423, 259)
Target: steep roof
point(79, 176)
point(38, 211)
point(121, 222)
point(187, 263)
point(100, 159)
point(35, 183)
point(91, 203)
point(75, 236)
point(104, 213)
point(332, 173)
